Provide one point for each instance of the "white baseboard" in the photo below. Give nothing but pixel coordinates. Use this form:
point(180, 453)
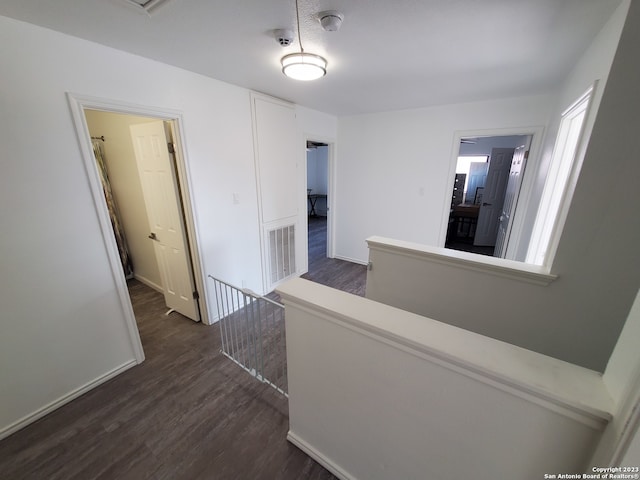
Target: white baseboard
point(352, 260)
point(319, 457)
point(41, 412)
point(149, 283)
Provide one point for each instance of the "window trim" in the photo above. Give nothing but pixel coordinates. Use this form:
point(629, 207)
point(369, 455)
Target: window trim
point(543, 247)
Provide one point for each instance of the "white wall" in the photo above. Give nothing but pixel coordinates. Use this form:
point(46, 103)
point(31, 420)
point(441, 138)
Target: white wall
point(63, 326)
point(127, 189)
point(623, 369)
point(579, 316)
point(632, 456)
point(622, 377)
point(394, 164)
point(484, 145)
point(393, 168)
point(380, 393)
point(594, 64)
point(316, 125)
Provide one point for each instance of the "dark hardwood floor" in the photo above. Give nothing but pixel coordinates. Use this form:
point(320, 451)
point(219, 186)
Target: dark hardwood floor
point(186, 412)
point(470, 247)
point(346, 276)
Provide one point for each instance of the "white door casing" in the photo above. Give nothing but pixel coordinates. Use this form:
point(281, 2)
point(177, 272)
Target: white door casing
point(518, 163)
point(166, 227)
point(493, 196)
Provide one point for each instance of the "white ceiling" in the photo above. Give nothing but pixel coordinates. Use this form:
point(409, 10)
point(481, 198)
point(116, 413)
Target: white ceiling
point(388, 54)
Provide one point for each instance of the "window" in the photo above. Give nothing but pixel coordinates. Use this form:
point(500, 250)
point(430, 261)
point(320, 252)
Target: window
point(561, 178)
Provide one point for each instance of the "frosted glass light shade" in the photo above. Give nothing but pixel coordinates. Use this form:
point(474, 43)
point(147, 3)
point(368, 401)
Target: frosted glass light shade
point(304, 66)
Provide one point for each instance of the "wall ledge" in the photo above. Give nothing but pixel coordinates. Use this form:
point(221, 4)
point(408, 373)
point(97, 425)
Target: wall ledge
point(567, 389)
point(500, 267)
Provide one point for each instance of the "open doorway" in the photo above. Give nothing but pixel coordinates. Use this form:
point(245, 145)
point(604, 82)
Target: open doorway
point(317, 201)
point(78, 104)
point(488, 177)
point(136, 160)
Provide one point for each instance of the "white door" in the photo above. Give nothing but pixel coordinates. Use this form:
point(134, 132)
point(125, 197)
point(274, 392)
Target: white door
point(166, 227)
point(510, 200)
point(493, 196)
point(477, 178)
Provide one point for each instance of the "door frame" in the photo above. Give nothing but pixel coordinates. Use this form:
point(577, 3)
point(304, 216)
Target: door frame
point(526, 188)
point(78, 104)
point(331, 173)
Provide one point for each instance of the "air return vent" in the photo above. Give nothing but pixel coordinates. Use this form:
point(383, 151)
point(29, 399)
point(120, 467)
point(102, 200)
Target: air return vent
point(146, 6)
point(282, 253)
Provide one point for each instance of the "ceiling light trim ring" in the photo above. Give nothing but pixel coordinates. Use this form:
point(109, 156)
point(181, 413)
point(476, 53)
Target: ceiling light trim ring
point(304, 66)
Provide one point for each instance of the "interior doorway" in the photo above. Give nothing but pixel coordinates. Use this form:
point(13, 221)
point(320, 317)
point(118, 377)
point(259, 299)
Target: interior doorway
point(487, 182)
point(318, 201)
point(139, 175)
point(78, 104)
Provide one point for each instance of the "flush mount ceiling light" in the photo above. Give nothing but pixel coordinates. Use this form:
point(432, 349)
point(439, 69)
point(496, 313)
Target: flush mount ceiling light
point(301, 65)
point(304, 66)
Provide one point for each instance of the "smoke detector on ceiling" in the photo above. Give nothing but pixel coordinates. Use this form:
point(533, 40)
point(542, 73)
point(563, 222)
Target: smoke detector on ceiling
point(331, 20)
point(283, 36)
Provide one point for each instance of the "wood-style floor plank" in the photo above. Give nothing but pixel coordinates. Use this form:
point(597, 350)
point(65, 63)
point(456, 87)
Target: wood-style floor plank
point(187, 412)
point(346, 276)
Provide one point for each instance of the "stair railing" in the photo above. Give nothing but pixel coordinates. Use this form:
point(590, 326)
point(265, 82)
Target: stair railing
point(252, 333)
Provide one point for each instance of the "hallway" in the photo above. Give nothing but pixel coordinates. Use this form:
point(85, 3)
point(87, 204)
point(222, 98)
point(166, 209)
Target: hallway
point(346, 276)
point(186, 412)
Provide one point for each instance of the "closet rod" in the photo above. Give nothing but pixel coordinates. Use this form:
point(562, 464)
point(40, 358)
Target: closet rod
point(98, 138)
